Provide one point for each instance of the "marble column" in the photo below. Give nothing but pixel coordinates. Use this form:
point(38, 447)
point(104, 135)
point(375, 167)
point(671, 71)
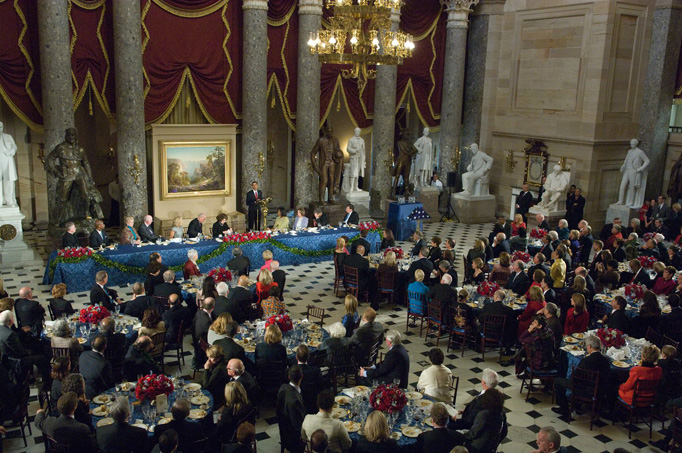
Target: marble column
point(307, 102)
point(132, 154)
point(659, 87)
point(383, 131)
point(453, 81)
point(55, 70)
point(254, 92)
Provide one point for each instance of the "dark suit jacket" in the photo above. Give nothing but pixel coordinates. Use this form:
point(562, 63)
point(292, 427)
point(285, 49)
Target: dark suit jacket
point(642, 278)
point(550, 295)
point(116, 342)
point(137, 306)
point(251, 199)
point(363, 242)
point(270, 352)
point(95, 240)
point(147, 233)
point(618, 320)
point(534, 267)
point(396, 364)
point(97, 372)
point(219, 229)
point(311, 385)
point(30, 314)
point(215, 381)
point(67, 430)
point(353, 219)
point(518, 283)
point(188, 432)
point(501, 247)
point(424, 264)
point(544, 225)
point(435, 254)
point(250, 385)
point(221, 304)
point(497, 228)
point(524, 200)
point(138, 363)
point(231, 350)
point(165, 289)
point(418, 246)
point(280, 277)
point(322, 221)
point(99, 296)
point(471, 410)
point(546, 250)
point(10, 344)
point(239, 300)
point(364, 337)
point(200, 325)
point(172, 319)
point(239, 264)
point(290, 410)
point(194, 228)
point(119, 437)
point(585, 247)
point(498, 308)
point(597, 362)
point(670, 323)
point(69, 240)
point(362, 265)
point(439, 440)
point(445, 294)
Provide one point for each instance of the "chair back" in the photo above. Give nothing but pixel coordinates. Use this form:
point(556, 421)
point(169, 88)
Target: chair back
point(204, 345)
point(55, 447)
point(652, 336)
point(162, 302)
point(645, 392)
point(669, 341)
point(493, 327)
point(416, 302)
point(49, 309)
point(159, 340)
point(600, 309)
point(351, 277)
point(435, 312)
point(501, 278)
point(386, 282)
point(374, 351)
point(181, 332)
point(317, 313)
point(454, 386)
point(116, 359)
point(61, 352)
point(585, 384)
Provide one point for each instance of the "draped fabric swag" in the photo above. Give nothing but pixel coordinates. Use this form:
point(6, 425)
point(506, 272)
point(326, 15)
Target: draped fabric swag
point(283, 56)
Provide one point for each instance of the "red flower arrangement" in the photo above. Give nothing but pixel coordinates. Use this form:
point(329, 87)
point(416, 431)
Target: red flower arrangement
point(647, 262)
point(153, 385)
point(519, 255)
point(93, 314)
point(283, 321)
point(399, 254)
point(388, 398)
point(220, 274)
point(648, 236)
point(246, 237)
point(538, 233)
point(74, 252)
point(487, 289)
point(634, 291)
point(611, 338)
point(374, 225)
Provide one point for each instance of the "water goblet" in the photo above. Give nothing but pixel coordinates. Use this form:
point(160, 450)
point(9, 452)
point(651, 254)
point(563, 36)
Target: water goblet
point(396, 381)
point(83, 329)
point(118, 309)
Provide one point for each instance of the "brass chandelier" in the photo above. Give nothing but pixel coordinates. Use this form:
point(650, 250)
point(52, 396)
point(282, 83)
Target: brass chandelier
point(360, 34)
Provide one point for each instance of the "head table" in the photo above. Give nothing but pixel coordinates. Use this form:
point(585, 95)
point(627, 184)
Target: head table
point(126, 264)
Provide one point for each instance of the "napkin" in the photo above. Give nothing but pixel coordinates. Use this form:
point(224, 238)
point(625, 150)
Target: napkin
point(575, 353)
point(640, 342)
point(616, 354)
point(350, 392)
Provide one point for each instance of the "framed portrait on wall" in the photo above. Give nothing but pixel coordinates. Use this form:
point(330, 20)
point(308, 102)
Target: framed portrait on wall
point(195, 169)
point(536, 162)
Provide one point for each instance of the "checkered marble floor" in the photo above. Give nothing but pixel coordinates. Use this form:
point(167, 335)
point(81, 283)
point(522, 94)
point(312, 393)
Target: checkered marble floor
point(313, 283)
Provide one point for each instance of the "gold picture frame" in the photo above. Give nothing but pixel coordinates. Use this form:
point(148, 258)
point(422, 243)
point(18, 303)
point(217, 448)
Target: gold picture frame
point(536, 162)
point(193, 169)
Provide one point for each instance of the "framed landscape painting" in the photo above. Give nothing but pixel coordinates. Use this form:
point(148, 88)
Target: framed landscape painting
point(195, 169)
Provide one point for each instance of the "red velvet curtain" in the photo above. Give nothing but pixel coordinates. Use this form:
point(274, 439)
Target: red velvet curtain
point(196, 42)
point(360, 105)
point(92, 57)
point(20, 84)
point(283, 56)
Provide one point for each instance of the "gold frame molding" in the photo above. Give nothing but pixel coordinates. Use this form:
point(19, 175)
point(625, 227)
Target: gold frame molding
point(163, 162)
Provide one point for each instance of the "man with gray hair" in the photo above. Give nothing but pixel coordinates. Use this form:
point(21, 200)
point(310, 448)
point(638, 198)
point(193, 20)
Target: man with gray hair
point(196, 226)
point(593, 361)
point(139, 303)
point(146, 231)
point(551, 313)
point(11, 347)
point(168, 287)
point(465, 418)
point(396, 364)
point(240, 263)
point(518, 280)
point(69, 238)
point(549, 440)
point(121, 436)
point(221, 302)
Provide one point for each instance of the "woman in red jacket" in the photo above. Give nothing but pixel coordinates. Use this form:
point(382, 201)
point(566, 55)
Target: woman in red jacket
point(577, 317)
point(665, 285)
point(647, 371)
point(536, 302)
point(190, 267)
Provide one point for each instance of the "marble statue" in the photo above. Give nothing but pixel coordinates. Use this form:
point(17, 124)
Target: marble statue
point(675, 185)
point(69, 164)
point(356, 151)
point(633, 184)
point(555, 187)
point(423, 163)
point(8, 170)
point(477, 169)
point(325, 161)
point(406, 151)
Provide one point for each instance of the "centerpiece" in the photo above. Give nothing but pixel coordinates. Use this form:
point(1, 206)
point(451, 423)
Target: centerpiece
point(220, 274)
point(487, 289)
point(153, 385)
point(247, 237)
point(611, 338)
point(538, 233)
point(93, 314)
point(374, 225)
point(647, 262)
point(74, 252)
point(388, 398)
point(399, 254)
point(519, 255)
point(283, 321)
point(648, 236)
point(634, 291)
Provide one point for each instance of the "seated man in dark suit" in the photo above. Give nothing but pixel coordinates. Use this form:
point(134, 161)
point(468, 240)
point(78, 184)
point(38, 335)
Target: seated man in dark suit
point(518, 280)
point(500, 244)
point(311, 384)
point(100, 294)
point(497, 307)
point(650, 249)
point(29, 312)
point(221, 302)
point(279, 276)
point(352, 217)
point(670, 323)
point(639, 275)
point(196, 226)
point(200, 325)
point(188, 432)
point(465, 418)
point(617, 318)
point(120, 435)
point(172, 318)
point(138, 361)
point(290, 410)
point(232, 350)
point(12, 347)
point(96, 369)
point(362, 240)
point(240, 300)
point(117, 343)
point(396, 363)
point(501, 226)
point(139, 303)
point(443, 292)
point(422, 263)
point(65, 429)
point(367, 335)
point(440, 438)
point(146, 230)
point(320, 218)
point(237, 372)
point(444, 267)
point(547, 286)
point(366, 279)
point(240, 263)
point(168, 287)
point(69, 238)
point(98, 238)
point(593, 361)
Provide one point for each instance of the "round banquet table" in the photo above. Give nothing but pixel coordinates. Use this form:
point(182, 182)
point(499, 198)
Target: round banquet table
point(290, 339)
point(131, 326)
point(136, 415)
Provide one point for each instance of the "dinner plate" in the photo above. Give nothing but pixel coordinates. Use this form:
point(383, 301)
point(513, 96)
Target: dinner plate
point(342, 400)
point(411, 431)
point(100, 411)
point(164, 421)
point(351, 426)
point(423, 403)
point(82, 340)
point(140, 425)
point(314, 343)
point(515, 306)
point(666, 309)
point(105, 422)
point(101, 399)
point(339, 412)
point(192, 386)
point(620, 364)
point(414, 395)
point(472, 304)
point(250, 348)
point(579, 336)
point(199, 400)
point(361, 388)
point(197, 414)
point(572, 347)
point(571, 340)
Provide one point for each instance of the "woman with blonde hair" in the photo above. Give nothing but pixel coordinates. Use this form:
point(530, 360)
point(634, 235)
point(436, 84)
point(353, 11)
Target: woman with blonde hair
point(176, 230)
point(351, 318)
point(478, 251)
point(517, 223)
point(267, 257)
point(215, 375)
point(263, 285)
point(415, 289)
point(60, 306)
point(477, 276)
point(271, 349)
point(217, 331)
point(237, 408)
point(377, 437)
point(129, 234)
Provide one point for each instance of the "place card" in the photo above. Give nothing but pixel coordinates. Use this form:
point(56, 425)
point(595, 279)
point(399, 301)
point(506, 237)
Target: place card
point(161, 404)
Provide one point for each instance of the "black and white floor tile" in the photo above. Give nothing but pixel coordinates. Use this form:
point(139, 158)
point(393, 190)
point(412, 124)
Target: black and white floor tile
point(312, 284)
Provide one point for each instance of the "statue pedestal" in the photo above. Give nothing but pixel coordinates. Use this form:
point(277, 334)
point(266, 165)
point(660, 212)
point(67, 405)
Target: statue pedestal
point(623, 211)
point(13, 249)
point(474, 208)
point(359, 198)
point(552, 217)
point(428, 196)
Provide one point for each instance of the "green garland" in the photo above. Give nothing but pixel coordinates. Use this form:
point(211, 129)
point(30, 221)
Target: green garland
point(221, 249)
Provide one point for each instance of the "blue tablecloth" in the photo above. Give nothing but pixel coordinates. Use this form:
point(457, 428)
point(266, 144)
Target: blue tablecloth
point(80, 276)
point(290, 355)
point(397, 220)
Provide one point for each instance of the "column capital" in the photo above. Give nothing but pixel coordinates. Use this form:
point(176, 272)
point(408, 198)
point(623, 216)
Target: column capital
point(458, 12)
point(312, 7)
point(255, 4)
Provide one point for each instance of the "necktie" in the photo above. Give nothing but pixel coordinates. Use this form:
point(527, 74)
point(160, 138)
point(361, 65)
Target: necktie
point(255, 192)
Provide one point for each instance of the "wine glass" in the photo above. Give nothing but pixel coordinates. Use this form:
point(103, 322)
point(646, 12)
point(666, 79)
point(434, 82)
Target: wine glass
point(417, 416)
point(118, 309)
point(83, 329)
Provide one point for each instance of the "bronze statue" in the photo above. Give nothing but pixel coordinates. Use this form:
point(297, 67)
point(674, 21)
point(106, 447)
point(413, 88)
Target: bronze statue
point(69, 164)
point(675, 186)
point(329, 164)
point(406, 151)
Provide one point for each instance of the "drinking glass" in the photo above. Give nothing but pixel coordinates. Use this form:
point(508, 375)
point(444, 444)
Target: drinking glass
point(83, 329)
point(396, 381)
point(118, 309)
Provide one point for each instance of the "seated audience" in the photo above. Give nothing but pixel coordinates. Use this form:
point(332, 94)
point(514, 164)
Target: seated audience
point(151, 323)
point(62, 337)
point(551, 314)
point(75, 383)
point(272, 306)
point(443, 292)
point(239, 300)
point(369, 333)
point(536, 302)
point(670, 323)
point(65, 429)
point(11, 347)
point(417, 287)
point(665, 285)
point(240, 263)
point(517, 224)
point(231, 350)
point(138, 361)
point(168, 441)
point(435, 252)
point(435, 380)
point(396, 363)
point(337, 435)
point(497, 307)
point(140, 302)
point(440, 439)
point(271, 349)
point(237, 372)
point(173, 317)
point(312, 378)
point(388, 239)
point(190, 267)
point(647, 371)
point(377, 437)
point(217, 331)
point(669, 388)
point(282, 221)
point(490, 425)
point(518, 280)
point(220, 227)
point(215, 375)
point(549, 440)
point(540, 341)
point(246, 436)
point(337, 339)
point(465, 417)
point(61, 367)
